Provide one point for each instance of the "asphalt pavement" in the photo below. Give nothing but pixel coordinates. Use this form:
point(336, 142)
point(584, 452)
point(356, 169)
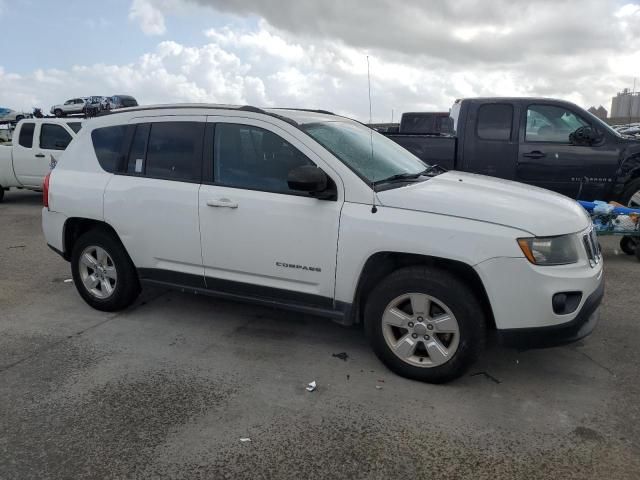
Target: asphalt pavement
point(171, 387)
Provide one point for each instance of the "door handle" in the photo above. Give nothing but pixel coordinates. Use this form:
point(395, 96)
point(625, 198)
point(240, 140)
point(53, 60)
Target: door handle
point(39, 155)
point(534, 154)
point(222, 202)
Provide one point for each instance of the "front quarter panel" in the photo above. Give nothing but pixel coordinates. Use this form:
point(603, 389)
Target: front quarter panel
point(363, 234)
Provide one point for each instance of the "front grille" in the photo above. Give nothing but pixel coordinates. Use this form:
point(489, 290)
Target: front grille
point(592, 247)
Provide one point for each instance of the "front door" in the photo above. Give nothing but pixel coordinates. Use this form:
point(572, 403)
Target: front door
point(548, 159)
point(259, 237)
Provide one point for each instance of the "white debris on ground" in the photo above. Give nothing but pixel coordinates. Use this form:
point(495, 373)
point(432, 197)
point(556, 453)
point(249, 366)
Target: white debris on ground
point(245, 440)
point(312, 386)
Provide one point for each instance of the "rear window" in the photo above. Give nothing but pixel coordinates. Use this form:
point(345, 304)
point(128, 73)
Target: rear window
point(107, 142)
point(494, 122)
point(174, 151)
point(75, 126)
point(129, 102)
point(26, 135)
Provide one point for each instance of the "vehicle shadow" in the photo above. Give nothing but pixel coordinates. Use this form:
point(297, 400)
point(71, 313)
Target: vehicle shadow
point(22, 197)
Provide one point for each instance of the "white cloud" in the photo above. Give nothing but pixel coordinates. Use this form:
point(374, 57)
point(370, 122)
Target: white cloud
point(267, 66)
point(149, 16)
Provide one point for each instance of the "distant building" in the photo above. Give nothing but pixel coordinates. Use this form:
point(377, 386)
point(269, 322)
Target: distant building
point(625, 104)
point(599, 112)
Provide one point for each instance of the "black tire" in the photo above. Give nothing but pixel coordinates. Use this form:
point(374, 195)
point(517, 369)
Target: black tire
point(628, 245)
point(127, 286)
point(19, 117)
point(630, 190)
point(638, 253)
point(448, 290)
point(57, 112)
point(1, 193)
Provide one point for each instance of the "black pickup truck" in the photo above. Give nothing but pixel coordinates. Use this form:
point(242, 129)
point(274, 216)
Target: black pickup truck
point(544, 142)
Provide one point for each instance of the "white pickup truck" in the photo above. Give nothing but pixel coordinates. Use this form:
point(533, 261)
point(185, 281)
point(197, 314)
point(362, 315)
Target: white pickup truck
point(25, 162)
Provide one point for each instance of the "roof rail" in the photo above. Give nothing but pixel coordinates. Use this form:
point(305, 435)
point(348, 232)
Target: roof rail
point(311, 110)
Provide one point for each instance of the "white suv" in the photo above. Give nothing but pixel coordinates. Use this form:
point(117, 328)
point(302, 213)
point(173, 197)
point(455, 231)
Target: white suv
point(317, 213)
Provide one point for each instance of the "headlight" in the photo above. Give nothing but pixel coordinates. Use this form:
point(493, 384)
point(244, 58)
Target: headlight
point(549, 250)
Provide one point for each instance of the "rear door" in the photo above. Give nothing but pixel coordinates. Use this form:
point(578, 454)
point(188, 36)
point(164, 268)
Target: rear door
point(490, 145)
point(49, 140)
point(548, 159)
point(259, 237)
point(152, 202)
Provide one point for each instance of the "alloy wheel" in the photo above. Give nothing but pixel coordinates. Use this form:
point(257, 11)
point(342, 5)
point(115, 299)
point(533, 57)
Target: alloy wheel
point(98, 272)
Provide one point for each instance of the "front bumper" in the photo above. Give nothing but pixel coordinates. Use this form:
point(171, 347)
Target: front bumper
point(561, 334)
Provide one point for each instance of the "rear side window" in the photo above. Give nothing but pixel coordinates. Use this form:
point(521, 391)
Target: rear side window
point(107, 142)
point(26, 135)
point(53, 137)
point(494, 122)
point(173, 151)
point(75, 126)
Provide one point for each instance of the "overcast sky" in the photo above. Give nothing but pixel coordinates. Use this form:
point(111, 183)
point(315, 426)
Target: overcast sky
point(297, 53)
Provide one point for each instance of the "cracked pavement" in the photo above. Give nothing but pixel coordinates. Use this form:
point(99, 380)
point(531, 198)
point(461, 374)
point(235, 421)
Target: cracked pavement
point(167, 388)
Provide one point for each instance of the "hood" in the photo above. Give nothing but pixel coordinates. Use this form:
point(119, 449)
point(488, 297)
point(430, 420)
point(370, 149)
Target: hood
point(534, 210)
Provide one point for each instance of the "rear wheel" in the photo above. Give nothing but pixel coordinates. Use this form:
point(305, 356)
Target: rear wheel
point(1, 193)
point(103, 274)
point(57, 112)
point(425, 324)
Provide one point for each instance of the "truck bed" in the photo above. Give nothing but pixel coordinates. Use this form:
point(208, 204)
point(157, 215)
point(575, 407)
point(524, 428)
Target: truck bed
point(431, 149)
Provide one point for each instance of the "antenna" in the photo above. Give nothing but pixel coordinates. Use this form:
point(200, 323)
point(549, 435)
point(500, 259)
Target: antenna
point(374, 209)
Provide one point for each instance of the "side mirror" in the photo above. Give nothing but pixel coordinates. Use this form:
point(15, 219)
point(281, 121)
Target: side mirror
point(312, 180)
point(585, 136)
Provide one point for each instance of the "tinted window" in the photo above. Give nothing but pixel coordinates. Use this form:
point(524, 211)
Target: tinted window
point(53, 137)
point(174, 150)
point(548, 123)
point(135, 163)
point(254, 158)
point(107, 143)
point(75, 126)
point(494, 122)
point(26, 135)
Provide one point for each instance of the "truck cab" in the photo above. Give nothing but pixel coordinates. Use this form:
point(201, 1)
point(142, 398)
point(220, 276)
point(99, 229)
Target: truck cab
point(543, 142)
point(26, 162)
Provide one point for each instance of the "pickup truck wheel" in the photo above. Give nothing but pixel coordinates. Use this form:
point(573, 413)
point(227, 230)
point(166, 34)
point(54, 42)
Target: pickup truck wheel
point(103, 273)
point(425, 324)
point(1, 193)
point(57, 112)
point(631, 195)
point(628, 245)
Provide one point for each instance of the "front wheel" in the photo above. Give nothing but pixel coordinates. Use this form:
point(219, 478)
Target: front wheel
point(102, 272)
point(425, 324)
point(628, 245)
point(57, 112)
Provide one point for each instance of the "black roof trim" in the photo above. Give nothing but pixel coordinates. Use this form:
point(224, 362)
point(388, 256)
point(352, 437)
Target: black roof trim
point(311, 110)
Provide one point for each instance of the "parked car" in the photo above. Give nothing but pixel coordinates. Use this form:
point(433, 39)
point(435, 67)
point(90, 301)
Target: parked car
point(11, 116)
point(25, 163)
point(93, 105)
point(319, 214)
point(121, 101)
point(72, 106)
point(543, 142)
point(433, 123)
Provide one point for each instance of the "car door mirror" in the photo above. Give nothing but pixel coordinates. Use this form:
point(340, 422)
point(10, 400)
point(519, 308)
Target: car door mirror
point(585, 136)
point(311, 179)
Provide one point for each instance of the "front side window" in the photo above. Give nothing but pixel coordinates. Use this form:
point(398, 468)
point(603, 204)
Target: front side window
point(494, 122)
point(54, 137)
point(549, 123)
point(26, 135)
point(254, 158)
point(107, 143)
point(372, 156)
point(174, 151)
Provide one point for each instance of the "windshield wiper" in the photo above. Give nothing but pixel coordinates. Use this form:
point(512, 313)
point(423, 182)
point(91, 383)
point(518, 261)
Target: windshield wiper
point(399, 176)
